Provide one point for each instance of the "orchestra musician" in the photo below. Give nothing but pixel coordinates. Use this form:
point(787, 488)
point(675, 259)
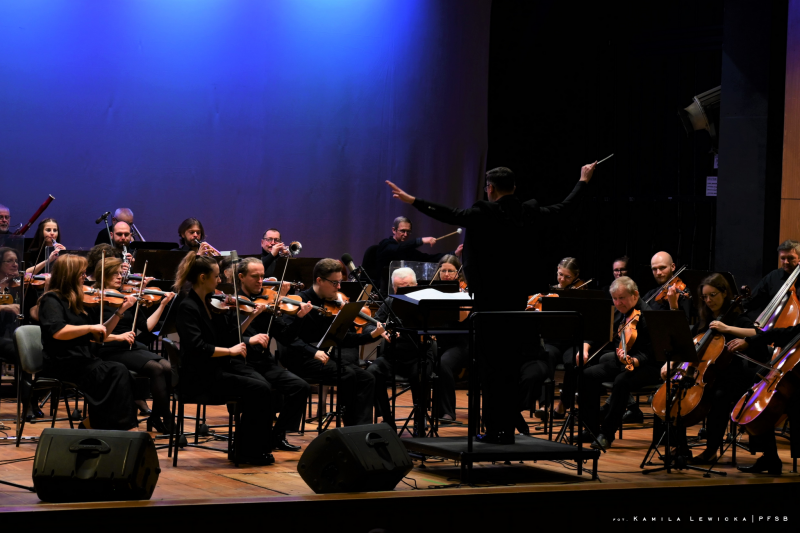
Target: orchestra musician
point(213, 359)
point(271, 248)
point(48, 234)
point(190, 233)
point(401, 247)
point(770, 462)
point(121, 346)
point(401, 356)
point(295, 391)
point(513, 226)
point(66, 334)
point(122, 214)
point(611, 366)
point(620, 267)
point(96, 254)
point(453, 349)
point(768, 287)
point(5, 220)
point(302, 358)
point(663, 268)
point(732, 380)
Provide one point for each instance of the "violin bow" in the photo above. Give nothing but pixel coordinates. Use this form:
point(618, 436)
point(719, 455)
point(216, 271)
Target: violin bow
point(434, 276)
point(102, 288)
point(664, 286)
point(138, 300)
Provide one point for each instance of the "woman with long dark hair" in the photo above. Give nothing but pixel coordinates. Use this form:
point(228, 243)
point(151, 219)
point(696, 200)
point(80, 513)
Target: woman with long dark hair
point(48, 234)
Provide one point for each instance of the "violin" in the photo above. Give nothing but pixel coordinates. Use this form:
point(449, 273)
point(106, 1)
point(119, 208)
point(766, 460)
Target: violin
point(273, 282)
point(693, 404)
point(627, 337)
point(364, 316)
point(535, 301)
point(92, 297)
point(219, 302)
point(35, 280)
point(289, 304)
point(674, 281)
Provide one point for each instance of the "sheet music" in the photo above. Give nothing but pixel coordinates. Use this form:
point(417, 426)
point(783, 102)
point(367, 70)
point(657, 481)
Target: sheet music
point(433, 294)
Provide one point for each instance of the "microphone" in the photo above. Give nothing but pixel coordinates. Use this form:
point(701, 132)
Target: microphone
point(347, 259)
point(102, 217)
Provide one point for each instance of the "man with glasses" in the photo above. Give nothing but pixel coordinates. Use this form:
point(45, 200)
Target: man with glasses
point(5, 220)
point(271, 247)
point(401, 247)
point(303, 359)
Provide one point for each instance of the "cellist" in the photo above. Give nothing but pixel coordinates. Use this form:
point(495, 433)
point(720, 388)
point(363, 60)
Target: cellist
point(769, 461)
point(732, 379)
point(768, 287)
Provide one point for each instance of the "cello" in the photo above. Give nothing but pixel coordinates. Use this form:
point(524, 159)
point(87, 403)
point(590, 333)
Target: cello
point(784, 309)
point(693, 404)
point(763, 407)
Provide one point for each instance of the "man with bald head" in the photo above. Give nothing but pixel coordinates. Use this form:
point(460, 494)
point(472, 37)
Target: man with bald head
point(663, 268)
point(5, 219)
point(122, 214)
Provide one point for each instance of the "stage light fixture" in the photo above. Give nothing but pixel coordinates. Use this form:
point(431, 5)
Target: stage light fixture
point(703, 114)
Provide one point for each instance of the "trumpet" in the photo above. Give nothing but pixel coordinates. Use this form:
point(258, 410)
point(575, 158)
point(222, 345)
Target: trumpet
point(293, 250)
point(210, 250)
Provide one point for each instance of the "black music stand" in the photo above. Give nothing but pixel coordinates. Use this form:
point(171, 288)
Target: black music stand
point(598, 325)
point(333, 339)
point(162, 263)
point(672, 342)
point(586, 294)
point(152, 245)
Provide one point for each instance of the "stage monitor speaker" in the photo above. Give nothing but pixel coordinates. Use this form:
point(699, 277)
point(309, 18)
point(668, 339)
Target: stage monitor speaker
point(78, 465)
point(355, 459)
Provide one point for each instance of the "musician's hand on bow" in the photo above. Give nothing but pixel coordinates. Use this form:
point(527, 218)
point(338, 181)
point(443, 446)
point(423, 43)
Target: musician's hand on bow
point(400, 194)
point(321, 356)
point(305, 307)
point(262, 339)
point(128, 336)
point(585, 355)
point(587, 171)
point(738, 345)
point(239, 349)
point(719, 327)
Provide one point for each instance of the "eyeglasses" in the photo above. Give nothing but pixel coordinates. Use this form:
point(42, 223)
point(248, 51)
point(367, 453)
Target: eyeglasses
point(620, 270)
point(271, 239)
point(10, 261)
point(334, 283)
point(5, 217)
point(403, 230)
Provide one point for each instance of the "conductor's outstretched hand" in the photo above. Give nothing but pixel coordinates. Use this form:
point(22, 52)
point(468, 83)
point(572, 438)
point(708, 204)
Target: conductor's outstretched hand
point(587, 171)
point(400, 194)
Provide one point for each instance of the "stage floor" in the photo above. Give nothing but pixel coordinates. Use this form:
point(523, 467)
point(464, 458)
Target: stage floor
point(206, 477)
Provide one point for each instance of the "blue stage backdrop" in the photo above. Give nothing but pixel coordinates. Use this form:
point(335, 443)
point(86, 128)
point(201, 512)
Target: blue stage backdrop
point(244, 114)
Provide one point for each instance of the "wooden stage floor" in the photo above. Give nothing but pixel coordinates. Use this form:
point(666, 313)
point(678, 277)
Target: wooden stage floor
point(206, 477)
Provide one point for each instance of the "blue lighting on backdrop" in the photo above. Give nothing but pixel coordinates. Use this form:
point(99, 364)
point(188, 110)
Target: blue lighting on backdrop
point(244, 114)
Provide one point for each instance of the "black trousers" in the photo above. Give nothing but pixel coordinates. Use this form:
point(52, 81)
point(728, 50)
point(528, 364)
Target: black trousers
point(357, 389)
point(384, 369)
point(533, 373)
point(609, 369)
point(455, 356)
point(293, 391)
point(107, 386)
point(730, 384)
point(237, 381)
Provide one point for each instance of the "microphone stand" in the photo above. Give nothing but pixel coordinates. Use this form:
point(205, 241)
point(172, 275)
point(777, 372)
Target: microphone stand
point(139, 233)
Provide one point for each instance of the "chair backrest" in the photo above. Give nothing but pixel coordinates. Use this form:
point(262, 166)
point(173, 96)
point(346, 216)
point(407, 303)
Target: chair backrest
point(28, 340)
point(174, 356)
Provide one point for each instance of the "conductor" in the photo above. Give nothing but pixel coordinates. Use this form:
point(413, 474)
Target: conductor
point(513, 226)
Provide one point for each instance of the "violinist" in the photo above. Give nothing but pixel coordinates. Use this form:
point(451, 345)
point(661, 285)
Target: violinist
point(453, 348)
point(192, 238)
point(305, 360)
point(121, 346)
point(213, 359)
point(618, 269)
point(731, 380)
point(768, 287)
point(629, 369)
point(400, 356)
point(663, 269)
point(67, 331)
point(5, 220)
point(47, 236)
point(294, 389)
point(271, 248)
point(122, 214)
point(514, 227)
point(769, 461)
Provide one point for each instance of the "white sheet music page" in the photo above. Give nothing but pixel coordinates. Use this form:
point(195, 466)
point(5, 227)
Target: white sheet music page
point(433, 294)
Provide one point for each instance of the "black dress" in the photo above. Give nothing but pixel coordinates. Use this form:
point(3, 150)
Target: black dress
point(107, 385)
point(221, 379)
point(134, 358)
